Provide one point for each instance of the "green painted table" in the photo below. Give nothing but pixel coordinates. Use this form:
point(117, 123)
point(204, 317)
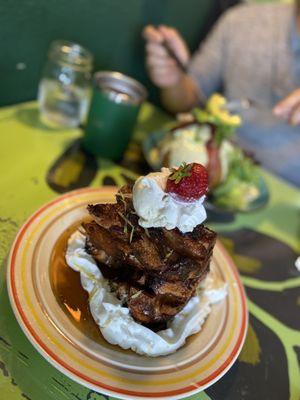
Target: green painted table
point(37, 163)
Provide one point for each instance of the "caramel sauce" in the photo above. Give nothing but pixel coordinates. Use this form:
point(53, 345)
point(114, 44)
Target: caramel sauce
point(70, 295)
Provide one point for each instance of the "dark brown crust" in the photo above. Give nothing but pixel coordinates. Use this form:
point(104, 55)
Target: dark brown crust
point(154, 272)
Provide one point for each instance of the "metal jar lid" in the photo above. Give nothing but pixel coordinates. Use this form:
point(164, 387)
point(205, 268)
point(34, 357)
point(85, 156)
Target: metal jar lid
point(70, 54)
point(120, 88)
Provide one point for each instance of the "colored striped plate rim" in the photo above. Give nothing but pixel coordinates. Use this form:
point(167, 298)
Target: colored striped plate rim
point(204, 359)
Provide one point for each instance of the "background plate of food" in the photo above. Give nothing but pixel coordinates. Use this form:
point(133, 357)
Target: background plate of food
point(207, 137)
point(68, 311)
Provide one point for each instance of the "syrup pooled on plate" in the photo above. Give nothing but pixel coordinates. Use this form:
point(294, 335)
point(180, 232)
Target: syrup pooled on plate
point(70, 295)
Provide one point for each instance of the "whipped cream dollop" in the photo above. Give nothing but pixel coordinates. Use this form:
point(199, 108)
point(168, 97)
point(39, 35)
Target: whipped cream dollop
point(158, 209)
point(187, 144)
point(114, 320)
point(297, 264)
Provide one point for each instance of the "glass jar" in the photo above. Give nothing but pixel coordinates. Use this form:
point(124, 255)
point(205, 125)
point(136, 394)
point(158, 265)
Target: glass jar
point(64, 90)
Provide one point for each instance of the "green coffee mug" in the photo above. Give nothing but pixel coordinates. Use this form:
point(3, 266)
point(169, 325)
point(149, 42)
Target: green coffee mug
point(113, 113)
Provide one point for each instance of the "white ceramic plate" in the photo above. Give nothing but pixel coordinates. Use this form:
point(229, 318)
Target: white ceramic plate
point(91, 361)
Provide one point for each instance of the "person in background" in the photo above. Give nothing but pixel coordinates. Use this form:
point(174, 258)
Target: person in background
point(252, 52)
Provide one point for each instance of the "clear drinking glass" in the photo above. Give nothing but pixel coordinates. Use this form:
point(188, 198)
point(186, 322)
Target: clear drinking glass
point(64, 90)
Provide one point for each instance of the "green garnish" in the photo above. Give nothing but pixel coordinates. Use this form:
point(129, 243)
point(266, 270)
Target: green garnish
point(182, 172)
point(124, 196)
point(136, 294)
point(127, 222)
point(121, 195)
point(168, 255)
point(147, 232)
point(132, 212)
point(241, 184)
point(222, 130)
point(131, 234)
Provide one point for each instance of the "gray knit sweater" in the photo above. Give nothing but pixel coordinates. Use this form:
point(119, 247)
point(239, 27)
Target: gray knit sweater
point(254, 52)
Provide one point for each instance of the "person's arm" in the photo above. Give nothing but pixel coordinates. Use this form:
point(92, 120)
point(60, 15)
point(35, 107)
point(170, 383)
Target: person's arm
point(178, 91)
point(289, 108)
point(182, 91)
point(181, 97)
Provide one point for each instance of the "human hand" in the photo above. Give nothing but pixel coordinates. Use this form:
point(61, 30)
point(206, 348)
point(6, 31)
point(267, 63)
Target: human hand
point(289, 108)
point(164, 70)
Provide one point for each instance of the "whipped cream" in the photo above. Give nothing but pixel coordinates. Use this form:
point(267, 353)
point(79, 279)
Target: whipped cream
point(297, 264)
point(114, 320)
point(158, 209)
point(188, 145)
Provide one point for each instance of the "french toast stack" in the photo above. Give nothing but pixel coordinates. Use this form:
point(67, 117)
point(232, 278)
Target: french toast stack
point(154, 271)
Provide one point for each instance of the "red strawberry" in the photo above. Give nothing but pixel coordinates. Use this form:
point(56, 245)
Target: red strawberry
point(189, 182)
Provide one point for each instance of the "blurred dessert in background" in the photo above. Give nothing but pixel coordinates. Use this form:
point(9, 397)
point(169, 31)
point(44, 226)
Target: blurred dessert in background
point(206, 136)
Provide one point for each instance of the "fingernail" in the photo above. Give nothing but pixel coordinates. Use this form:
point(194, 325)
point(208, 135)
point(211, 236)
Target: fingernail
point(277, 110)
